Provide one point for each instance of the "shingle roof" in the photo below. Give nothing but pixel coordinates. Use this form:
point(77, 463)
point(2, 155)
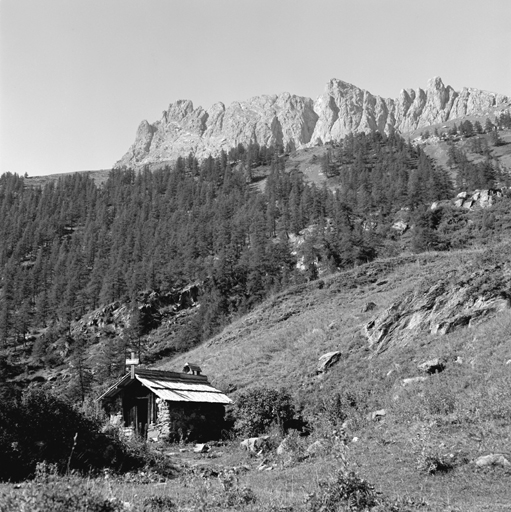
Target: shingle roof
point(172, 386)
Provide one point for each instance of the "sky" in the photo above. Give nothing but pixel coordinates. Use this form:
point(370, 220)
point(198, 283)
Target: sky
point(78, 76)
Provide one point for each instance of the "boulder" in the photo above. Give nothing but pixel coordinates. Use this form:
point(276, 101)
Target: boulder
point(377, 415)
point(201, 448)
point(400, 226)
point(494, 459)
point(326, 361)
point(413, 380)
point(254, 444)
point(431, 366)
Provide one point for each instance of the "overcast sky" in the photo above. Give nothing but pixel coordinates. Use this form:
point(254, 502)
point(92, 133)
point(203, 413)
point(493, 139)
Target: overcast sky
point(78, 76)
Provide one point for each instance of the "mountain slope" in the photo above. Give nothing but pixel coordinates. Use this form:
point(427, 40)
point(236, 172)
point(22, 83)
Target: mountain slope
point(296, 122)
point(280, 342)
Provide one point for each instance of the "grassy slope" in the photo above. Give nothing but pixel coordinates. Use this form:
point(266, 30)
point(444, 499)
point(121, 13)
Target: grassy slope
point(279, 343)
point(281, 340)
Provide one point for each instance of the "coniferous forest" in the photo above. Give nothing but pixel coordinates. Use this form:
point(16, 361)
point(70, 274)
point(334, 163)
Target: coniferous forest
point(72, 246)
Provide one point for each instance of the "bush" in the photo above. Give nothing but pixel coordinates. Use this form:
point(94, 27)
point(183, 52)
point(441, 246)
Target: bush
point(257, 410)
point(42, 427)
point(346, 489)
point(428, 455)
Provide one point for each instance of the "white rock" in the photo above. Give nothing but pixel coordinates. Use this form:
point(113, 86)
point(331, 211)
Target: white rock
point(413, 380)
point(285, 118)
point(494, 459)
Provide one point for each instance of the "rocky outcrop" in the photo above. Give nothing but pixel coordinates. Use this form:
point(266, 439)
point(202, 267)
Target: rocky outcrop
point(277, 119)
point(479, 198)
point(152, 307)
point(297, 122)
point(441, 307)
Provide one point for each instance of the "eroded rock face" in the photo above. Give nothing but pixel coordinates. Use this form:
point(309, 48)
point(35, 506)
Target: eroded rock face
point(183, 129)
point(441, 308)
point(298, 121)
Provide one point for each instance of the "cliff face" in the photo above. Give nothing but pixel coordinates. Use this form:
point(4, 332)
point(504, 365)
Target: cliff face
point(288, 119)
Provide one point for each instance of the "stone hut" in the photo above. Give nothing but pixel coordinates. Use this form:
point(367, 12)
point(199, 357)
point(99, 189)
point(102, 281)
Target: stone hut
point(158, 404)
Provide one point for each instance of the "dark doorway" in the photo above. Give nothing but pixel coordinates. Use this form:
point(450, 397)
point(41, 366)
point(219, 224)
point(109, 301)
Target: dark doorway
point(142, 410)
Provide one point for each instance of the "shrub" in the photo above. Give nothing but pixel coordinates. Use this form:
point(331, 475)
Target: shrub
point(257, 410)
point(428, 455)
point(346, 489)
point(43, 427)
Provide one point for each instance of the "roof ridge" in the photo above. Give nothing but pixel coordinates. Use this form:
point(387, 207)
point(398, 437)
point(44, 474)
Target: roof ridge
point(172, 375)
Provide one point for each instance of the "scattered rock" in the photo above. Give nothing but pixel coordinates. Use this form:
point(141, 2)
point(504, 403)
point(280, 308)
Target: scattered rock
point(494, 459)
point(254, 444)
point(400, 226)
point(377, 415)
point(369, 306)
point(201, 448)
point(326, 361)
point(413, 380)
point(431, 366)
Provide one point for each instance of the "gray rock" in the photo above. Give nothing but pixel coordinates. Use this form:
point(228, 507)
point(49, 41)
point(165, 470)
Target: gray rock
point(413, 380)
point(326, 361)
point(201, 448)
point(377, 415)
point(369, 306)
point(254, 444)
point(431, 366)
point(494, 459)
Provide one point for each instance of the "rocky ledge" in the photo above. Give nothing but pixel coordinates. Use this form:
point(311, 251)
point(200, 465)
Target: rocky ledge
point(442, 306)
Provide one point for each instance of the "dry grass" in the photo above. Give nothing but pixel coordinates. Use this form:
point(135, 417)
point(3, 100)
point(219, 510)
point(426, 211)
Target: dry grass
point(467, 408)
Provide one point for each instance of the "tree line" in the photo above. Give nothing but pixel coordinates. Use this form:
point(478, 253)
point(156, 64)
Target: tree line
point(71, 246)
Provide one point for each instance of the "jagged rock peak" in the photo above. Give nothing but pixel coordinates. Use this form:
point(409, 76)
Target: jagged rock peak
point(298, 121)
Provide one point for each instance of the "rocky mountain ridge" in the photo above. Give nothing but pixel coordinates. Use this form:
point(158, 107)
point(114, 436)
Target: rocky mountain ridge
point(297, 122)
